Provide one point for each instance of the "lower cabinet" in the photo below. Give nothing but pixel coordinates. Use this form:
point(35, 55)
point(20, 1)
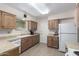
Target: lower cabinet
point(35, 39)
point(28, 42)
point(13, 52)
point(53, 41)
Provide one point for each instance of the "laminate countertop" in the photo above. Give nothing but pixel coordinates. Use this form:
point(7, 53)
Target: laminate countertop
point(53, 35)
point(22, 36)
point(73, 45)
point(5, 45)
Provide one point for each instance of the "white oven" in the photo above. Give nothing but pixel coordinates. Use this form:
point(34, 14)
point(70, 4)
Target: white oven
point(70, 52)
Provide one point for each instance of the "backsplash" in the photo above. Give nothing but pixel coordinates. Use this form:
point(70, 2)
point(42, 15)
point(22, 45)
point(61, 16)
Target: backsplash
point(20, 23)
point(5, 31)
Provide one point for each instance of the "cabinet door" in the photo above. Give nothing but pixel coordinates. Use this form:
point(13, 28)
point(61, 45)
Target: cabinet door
point(56, 24)
point(29, 25)
point(49, 41)
point(12, 21)
point(35, 25)
point(32, 25)
point(49, 25)
point(55, 42)
point(26, 43)
point(52, 41)
point(5, 20)
point(0, 20)
point(77, 15)
point(53, 24)
point(35, 39)
point(8, 20)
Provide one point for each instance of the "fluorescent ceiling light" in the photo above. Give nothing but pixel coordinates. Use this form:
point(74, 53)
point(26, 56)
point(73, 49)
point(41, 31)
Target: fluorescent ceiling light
point(42, 8)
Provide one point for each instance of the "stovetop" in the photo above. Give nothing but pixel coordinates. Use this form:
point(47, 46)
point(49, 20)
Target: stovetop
point(76, 52)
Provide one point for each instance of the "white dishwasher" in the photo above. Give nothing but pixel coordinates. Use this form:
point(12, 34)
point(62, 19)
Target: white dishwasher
point(16, 42)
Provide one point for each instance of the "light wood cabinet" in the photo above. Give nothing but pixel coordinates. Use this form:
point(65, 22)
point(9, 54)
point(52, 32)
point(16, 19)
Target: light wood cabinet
point(7, 20)
point(0, 20)
point(53, 24)
point(77, 15)
point(28, 42)
point(77, 19)
point(32, 25)
point(35, 39)
point(53, 41)
point(13, 52)
point(12, 21)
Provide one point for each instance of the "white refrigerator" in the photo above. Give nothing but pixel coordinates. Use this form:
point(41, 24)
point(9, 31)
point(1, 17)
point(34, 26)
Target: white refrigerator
point(67, 33)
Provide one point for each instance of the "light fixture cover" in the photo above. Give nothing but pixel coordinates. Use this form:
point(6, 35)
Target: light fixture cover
point(42, 8)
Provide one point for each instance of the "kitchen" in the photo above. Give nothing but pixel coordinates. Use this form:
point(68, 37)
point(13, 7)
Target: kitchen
point(24, 31)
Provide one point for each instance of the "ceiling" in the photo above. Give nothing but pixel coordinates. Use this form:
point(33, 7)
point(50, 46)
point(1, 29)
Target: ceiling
point(54, 8)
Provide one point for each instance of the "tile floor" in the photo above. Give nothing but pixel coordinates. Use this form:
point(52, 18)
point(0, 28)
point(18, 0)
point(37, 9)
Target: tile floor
point(41, 49)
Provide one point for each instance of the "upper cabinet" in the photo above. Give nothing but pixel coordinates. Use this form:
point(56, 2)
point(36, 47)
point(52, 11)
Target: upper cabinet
point(0, 19)
point(32, 25)
point(77, 15)
point(8, 21)
point(53, 24)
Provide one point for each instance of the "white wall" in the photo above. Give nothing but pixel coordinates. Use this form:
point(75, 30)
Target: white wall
point(62, 15)
point(43, 29)
point(43, 24)
point(19, 14)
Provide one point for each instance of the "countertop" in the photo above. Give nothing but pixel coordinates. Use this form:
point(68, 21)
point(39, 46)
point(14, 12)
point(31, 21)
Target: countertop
point(13, 37)
point(21, 36)
point(52, 35)
point(6, 45)
point(11, 34)
point(73, 45)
